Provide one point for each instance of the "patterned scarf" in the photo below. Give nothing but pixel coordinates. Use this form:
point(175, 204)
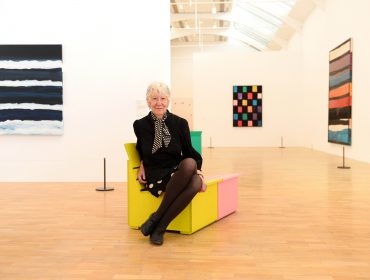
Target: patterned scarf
point(162, 134)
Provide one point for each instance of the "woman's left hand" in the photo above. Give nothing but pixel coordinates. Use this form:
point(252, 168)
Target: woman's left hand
point(204, 186)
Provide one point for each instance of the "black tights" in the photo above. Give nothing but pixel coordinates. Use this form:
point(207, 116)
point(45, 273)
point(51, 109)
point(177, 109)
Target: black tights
point(180, 190)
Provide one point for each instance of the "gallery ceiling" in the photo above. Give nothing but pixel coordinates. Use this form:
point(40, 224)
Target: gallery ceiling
point(258, 24)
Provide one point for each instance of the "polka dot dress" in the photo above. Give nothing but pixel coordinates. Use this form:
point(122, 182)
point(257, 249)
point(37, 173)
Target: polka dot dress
point(158, 187)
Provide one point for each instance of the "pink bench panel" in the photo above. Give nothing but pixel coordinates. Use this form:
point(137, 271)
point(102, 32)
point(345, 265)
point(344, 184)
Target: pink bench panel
point(227, 195)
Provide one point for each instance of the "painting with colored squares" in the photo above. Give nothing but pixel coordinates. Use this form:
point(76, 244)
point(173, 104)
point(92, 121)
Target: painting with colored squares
point(247, 106)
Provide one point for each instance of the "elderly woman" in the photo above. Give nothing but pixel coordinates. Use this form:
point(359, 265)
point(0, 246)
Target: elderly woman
point(169, 163)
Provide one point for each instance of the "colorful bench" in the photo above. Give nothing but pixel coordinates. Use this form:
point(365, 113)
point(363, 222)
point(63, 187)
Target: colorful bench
point(219, 200)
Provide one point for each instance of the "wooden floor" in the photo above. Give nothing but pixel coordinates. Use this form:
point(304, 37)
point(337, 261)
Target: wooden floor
point(299, 218)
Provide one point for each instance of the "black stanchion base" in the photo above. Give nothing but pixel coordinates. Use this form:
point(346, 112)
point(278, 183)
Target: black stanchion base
point(344, 167)
point(103, 189)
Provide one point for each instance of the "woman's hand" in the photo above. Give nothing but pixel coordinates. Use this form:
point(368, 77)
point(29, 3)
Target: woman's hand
point(141, 174)
point(204, 186)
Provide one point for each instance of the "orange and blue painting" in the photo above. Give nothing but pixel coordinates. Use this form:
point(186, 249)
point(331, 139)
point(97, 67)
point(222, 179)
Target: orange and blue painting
point(340, 94)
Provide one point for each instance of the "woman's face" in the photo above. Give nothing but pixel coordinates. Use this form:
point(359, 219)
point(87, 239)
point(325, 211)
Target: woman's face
point(158, 103)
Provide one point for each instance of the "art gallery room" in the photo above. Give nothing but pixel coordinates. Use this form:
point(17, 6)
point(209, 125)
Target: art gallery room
point(275, 94)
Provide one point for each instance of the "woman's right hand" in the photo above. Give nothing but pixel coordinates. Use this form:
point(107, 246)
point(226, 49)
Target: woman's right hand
point(141, 174)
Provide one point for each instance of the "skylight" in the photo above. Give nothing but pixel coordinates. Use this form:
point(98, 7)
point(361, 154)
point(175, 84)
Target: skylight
point(260, 24)
point(260, 19)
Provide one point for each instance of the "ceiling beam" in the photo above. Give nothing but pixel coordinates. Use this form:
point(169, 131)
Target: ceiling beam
point(183, 32)
point(189, 3)
point(224, 32)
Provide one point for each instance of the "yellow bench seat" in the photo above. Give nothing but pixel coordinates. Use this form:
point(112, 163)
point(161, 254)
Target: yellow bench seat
point(202, 211)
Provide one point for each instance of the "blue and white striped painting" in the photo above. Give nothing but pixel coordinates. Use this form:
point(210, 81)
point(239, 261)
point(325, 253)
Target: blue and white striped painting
point(31, 89)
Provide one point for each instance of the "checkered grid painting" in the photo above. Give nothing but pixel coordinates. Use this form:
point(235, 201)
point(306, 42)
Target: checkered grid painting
point(247, 106)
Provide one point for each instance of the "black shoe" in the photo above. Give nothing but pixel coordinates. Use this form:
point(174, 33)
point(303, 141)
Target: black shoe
point(156, 237)
point(149, 226)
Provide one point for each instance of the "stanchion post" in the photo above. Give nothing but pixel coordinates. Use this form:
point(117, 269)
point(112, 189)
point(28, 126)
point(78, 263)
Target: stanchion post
point(344, 165)
point(210, 143)
point(105, 188)
point(281, 142)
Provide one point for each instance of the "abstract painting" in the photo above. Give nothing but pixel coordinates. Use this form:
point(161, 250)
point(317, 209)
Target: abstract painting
point(340, 94)
point(247, 106)
point(31, 89)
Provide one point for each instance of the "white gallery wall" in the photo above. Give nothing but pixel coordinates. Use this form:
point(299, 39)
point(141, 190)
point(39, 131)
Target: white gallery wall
point(111, 51)
point(215, 74)
point(181, 76)
point(330, 25)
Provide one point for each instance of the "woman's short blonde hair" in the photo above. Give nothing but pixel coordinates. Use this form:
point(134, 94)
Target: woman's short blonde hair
point(158, 87)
